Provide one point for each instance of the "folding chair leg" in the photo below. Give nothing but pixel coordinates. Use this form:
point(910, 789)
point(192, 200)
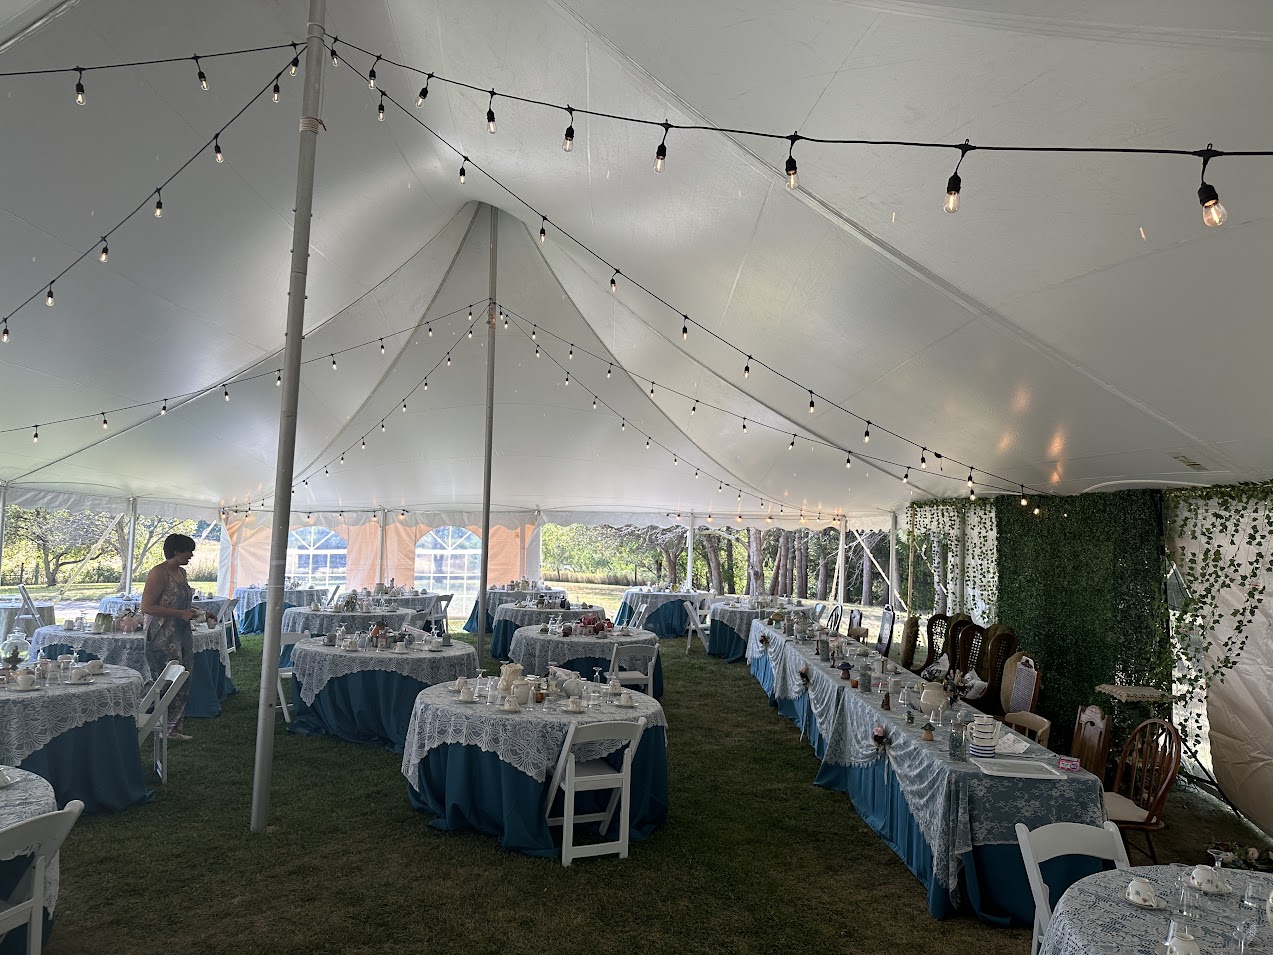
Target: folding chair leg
point(282, 702)
point(567, 829)
point(625, 807)
point(604, 827)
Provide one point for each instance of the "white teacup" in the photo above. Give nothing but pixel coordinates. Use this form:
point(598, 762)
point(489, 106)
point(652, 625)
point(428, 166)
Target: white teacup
point(79, 674)
point(1183, 944)
point(68, 625)
point(510, 705)
point(1207, 879)
point(575, 705)
point(461, 682)
point(626, 698)
point(95, 666)
point(25, 679)
point(1140, 892)
point(466, 694)
point(436, 643)
point(97, 628)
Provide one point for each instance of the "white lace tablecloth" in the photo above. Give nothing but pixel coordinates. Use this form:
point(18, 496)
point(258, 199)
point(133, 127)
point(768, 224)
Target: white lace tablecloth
point(212, 638)
point(1093, 910)
point(250, 597)
point(955, 805)
point(420, 603)
point(497, 598)
point(118, 604)
point(30, 796)
point(9, 613)
point(315, 664)
point(528, 616)
point(529, 740)
point(635, 596)
point(738, 618)
point(297, 619)
point(535, 650)
point(29, 720)
point(121, 649)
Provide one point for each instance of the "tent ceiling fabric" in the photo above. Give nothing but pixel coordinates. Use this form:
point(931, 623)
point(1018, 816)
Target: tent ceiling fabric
point(1035, 334)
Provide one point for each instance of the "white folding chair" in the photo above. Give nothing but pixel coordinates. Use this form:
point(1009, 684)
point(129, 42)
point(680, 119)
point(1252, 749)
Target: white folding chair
point(331, 601)
point(704, 610)
point(694, 629)
point(152, 715)
point(638, 618)
point(818, 610)
point(39, 837)
point(438, 615)
point(1063, 839)
point(287, 640)
point(635, 653)
point(574, 776)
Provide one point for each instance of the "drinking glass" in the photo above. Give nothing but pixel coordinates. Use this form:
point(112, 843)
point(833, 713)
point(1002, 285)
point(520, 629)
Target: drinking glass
point(1251, 897)
point(1187, 904)
point(1217, 858)
point(1245, 931)
point(596, 674)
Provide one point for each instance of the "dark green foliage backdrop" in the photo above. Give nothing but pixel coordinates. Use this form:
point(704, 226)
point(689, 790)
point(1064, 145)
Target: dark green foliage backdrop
point(1082, 584)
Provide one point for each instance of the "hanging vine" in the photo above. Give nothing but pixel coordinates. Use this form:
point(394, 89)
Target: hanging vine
point(1221, 547)
point(943, 520)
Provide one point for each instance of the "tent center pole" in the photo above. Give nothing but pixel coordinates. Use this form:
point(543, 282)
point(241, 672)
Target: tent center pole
point(840, 575)
point(132, 545)
point(288, 403)
point(486, 458)
point(689, 551)
point(4, 509)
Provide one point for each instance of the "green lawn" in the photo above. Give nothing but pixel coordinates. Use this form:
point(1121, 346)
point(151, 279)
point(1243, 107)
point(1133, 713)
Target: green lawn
point(754, 858)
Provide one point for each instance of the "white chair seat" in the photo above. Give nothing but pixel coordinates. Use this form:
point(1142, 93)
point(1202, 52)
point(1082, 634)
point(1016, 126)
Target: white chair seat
point(595, 769)
point(1121, 809)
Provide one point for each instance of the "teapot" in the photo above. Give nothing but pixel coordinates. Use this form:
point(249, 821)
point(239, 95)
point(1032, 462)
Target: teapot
point(572, 686)
point(509, 673)
point(932, 697)
point(521, 691)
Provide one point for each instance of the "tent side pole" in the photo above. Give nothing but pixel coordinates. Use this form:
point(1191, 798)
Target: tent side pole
point(132, 545)
point(288, 403)
point(384, 518)
point(4, 510)
point(840, 574)
point(486, 458)
point(689, 551)
point(894, 598)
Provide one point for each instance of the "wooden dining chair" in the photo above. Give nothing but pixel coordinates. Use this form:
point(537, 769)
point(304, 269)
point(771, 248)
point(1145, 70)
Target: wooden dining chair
point(884, 642)
point(1090, 743)
point(972, 639)
point(936, 632)
point(833, 621)
point(1030, 725)
point(1001, 648)
point(1147, 769)
point(1022, 694)
point(910, 637)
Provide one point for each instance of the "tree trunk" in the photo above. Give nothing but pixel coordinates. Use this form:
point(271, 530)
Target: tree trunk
point(867, 567)
point(731, 584)
point(711, 549)
point(822, 579)
point(673, 571)
point(939, 575)
point(755, 562)
point(802, 566)
point(780, 585)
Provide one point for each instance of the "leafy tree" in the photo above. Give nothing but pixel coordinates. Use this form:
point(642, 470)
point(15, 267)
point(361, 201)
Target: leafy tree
point(150, 534)
point(60, 538)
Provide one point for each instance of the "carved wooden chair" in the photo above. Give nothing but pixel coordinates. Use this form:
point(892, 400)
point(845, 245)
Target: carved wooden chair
point(1090, 744)
point(936, 631)
point(1021, 684)
point(971, 640)
point(1147, 768)
point(995, 661)
point(910, 638)
point(884, 642)
point(833, 621)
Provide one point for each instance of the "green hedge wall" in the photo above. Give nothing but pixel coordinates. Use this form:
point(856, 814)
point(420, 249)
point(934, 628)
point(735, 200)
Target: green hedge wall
point(1083, 586)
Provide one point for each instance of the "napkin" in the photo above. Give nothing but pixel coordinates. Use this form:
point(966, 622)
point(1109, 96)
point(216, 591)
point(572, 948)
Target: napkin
point(1010, 744)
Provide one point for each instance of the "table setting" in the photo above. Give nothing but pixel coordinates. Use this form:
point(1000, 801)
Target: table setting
point(76, 726)
point(510, 617)
point(252, 620)
point(119, 603)
point(476, 761)
point(1165, 909)
point(941, 787)
point(731, 622)
point(24, 796)
point(536, 648)
point(667, 611)
point(522, 592)
point(321, 621)
point(351, 689)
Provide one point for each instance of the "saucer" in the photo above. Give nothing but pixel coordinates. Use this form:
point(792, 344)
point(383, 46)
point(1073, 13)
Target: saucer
point(24, 689)
point(1223, 890)
point(433, 649)
point(1160, 904)
point(626, 706)
point(505, 709)
point(79, 682)
point(462, 700)
point(574, 712)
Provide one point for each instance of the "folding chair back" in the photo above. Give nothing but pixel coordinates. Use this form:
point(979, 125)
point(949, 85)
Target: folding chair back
point(694, 628)
point(287, 640)
point(152, 715)
point(638, 654)
point(638, 618)
point(40, 838)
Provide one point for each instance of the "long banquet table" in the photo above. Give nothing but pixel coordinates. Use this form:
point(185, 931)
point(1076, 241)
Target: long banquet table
point(950, 824)
point(731, 626)
point(474, 766)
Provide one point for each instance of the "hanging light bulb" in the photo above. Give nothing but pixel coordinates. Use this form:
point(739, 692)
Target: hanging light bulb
point(275, 94)
point(848, 460)
point(567, 379)
point(543, 231)
point(614, 281)
point(104, 424)
point(696, 474)
point(342, 457)
point(35, 435)
point(4, 335)
point(426, 384)
point(810, 402)
point(536, 351)
point(647, 444)
point(568, 140)
point(660, 154)
point(371, 75)
point(382, 426)
point(326, 471)
point(278, 379)
point(747, 368)
point(382, 346)
point(430, 329)
point(694, 408)
point(866, 435)
point(164, 410)
point(1036, 510)
point(448, 359)
point(79, 87)
point(225, 392)
point(675, 461)
point(1024, 502)
point(505, 315)
point(335, 56)
point(651, 389)
point(216, 149)
point(48, 299)
point(623, 424)
point(203, 77)
point(970, 477)
point(470, 331)
point(159, 204)
point(906, 478)
point(462, 162)
point(793, 180)
point(295, 65)
point(380, 110)
point(972, 494)
point(720, 487)
point(609, 368)
point(1213, 213)
point(923, 460)
point(404, 405)
point(792, 445)
point(364, 443)
point(534, 332)
point(490, 115)
point(744, 425)
point(333, 361)
point(594, 402)
point(952, 193)
point(572, 352)
point(424, 92)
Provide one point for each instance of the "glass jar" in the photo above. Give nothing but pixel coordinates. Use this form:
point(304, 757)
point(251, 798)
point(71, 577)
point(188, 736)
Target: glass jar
point(958, 741)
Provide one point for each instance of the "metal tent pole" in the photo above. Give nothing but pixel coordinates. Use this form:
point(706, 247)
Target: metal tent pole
point(4, 509)
point(384, 518)
point(689, 551)
point(289, 401)
point(132, 545)
point(840, 574)
point(486, 459)
point(893, 588)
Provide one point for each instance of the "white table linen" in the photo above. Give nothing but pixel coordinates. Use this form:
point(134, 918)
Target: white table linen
point(27, 798)
point(535, 650)
point(9, 613)
point(316, 664)
point(30, 720)
point(119, 649)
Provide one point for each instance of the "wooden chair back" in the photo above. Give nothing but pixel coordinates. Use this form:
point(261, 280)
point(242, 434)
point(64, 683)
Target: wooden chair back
point(833, 621)
point(1147, 768)
point(1002, 646)
point(938, 623)
point(1030, 725)
point(910, 637)
point(1090, 744)
point(884, 642)
point(1023, 696)
point(972, 639)
point(855, 617)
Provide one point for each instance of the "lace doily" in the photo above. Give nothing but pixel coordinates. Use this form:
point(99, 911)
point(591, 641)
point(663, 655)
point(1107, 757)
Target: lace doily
point(28, 721)
point(315, 664)
point(535, 650)
point(955, 805)
point(120, 649)
point(530, 741)
point(30, 796)
point(297, 619)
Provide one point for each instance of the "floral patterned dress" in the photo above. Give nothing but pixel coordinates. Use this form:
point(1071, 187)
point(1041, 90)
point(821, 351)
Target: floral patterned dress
point(168, 639)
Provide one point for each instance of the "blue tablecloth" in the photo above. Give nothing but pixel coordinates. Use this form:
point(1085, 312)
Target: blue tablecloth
point(99, 763)
point(466, 788)
point(370, 706)
point(724, 641)
point(209, 685)
point(253, 620)
point(667, 620)
point(993, 876)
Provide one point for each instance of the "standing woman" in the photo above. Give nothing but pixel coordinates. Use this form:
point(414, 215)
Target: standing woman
point(166, 604)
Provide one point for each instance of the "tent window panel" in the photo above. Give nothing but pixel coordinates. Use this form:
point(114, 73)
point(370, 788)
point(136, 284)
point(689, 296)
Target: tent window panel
point(317, 555)
point(449, 560)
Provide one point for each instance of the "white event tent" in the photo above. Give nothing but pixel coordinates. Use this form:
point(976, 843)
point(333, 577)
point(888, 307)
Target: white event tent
point(1074, 327)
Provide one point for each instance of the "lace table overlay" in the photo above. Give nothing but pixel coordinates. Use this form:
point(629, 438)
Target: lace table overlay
point(297, 619)
point(420, 603)
point(497, 598)
point(530, 740)
point(635, 596)
point(535, 650)
point(316, 663)
point(121, 649)
point(118, 604)
point(250, 597)
point(30, 796)
point(528, 616)
point(739, 619)
point(955, 805)
point(212, 638)
point(1093, 910)
point(30, 720)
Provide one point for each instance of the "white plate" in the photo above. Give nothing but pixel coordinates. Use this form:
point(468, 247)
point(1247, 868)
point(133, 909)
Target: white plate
point(1021, 768)
point(24, 689)
point(579, 712)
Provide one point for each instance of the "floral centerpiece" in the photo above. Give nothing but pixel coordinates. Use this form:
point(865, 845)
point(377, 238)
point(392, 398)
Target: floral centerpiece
point(879, 735)
point(1245, 857)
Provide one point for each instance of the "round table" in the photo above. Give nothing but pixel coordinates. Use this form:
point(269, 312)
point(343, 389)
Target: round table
point(420, 603)
point(9, 613)
point(667, 609)
point(535, 650)
point(366, 696)
point(496, 598)
point(509, 617)
point(81, 738)
point(251, 620)
point(121, 602)
point(298, 619)
point(730, 627)
point(28, 797)
point(474, 766)
point(1093, 911)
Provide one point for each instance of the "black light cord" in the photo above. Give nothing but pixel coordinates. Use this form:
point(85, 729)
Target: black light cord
point(102, 67)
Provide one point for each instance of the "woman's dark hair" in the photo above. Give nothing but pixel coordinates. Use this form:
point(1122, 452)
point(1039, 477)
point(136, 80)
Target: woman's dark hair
point(178, 544)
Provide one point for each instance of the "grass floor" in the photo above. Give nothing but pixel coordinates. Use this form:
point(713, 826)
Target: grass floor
point(754, 858)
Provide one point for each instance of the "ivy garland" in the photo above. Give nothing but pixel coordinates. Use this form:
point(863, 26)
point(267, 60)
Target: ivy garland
point(941, 520)
point(1221, 538)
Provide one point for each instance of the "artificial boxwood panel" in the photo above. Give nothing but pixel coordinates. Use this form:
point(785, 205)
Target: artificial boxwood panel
point(1082, 584)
